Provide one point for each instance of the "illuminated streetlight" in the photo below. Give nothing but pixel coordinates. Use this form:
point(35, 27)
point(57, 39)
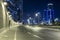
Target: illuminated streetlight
point(50, 4)
point(5, 3)
point(8, 12)
point(56, 19)
point(37, 15)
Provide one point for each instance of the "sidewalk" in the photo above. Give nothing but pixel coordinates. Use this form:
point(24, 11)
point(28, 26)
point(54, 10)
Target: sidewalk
point(37, 28)
point(4, 30)
point(54, 27)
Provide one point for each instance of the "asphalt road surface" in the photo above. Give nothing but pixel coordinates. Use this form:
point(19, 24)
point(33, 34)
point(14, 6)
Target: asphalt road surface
point(21, 33)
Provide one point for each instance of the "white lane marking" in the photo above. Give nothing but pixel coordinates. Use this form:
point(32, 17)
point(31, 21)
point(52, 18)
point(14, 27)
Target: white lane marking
point(5, 36)
point(15, 36)
point(34, 35)
point(28, 32)
point(0, 37)
point(4, 31)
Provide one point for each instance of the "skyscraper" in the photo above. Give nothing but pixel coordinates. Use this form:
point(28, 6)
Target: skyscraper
point(49, 14)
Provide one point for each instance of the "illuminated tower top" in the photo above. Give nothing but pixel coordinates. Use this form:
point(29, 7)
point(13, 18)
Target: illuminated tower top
point(50, 5)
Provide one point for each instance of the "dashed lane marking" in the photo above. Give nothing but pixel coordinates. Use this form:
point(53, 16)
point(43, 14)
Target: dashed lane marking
point(34, 35)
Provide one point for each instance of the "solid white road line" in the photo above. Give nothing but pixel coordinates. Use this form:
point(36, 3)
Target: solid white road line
point(0, 37)
point(15, 35)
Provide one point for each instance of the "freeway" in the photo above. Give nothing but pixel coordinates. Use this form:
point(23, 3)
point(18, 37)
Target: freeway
point(30, 33)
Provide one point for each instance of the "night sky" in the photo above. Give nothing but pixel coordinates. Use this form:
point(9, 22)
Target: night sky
point(31, 6)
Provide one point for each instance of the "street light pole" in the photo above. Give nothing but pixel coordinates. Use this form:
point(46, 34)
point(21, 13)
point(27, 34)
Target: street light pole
point(37, 15)
point(4, 16)
point(4, 11)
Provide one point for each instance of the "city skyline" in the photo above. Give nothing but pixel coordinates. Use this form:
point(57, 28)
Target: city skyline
point(31, 6)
